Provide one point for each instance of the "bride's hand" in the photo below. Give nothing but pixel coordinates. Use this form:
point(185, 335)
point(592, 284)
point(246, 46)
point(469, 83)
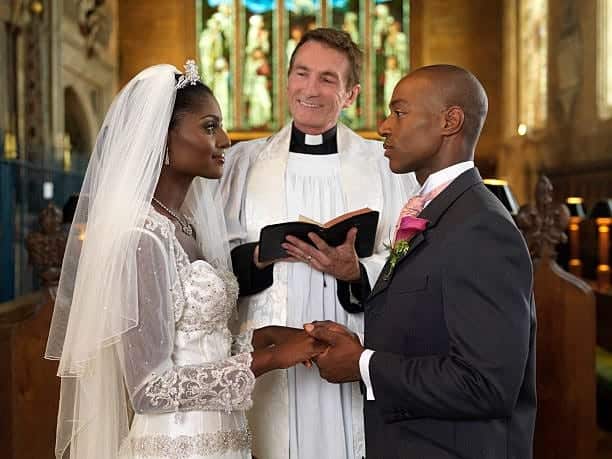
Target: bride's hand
point(273, 335)
point(299, 348)
point(283, 347)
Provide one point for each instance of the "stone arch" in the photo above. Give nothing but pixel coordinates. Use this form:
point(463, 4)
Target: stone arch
point(79, 121)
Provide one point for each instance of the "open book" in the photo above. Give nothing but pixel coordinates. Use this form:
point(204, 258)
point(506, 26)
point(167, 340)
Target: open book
point(333, 232)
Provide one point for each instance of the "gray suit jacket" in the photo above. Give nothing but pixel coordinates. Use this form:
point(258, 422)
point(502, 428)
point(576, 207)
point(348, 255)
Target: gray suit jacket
point(454, 333)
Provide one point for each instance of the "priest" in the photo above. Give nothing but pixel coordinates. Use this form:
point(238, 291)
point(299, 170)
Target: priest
point(318, 168)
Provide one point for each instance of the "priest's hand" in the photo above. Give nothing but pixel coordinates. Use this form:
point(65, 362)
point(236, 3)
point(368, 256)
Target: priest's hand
point(265, 264)
point(341, 262)
point(339, 363)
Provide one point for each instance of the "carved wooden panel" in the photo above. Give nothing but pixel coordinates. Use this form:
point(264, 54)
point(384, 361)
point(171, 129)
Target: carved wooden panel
point(46, 247)
point(565, 342)
point(544, 222)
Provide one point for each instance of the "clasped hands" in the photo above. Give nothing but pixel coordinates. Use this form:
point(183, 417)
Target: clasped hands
point(339, 362)
point(334, 348)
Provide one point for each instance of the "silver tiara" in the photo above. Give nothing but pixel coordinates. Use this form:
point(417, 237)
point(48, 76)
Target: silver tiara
point(191, 75)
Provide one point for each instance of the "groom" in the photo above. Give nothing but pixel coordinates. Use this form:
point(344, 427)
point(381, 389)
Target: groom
point(449, 357)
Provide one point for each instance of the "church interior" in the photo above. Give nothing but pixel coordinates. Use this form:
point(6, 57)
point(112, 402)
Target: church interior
point(546, 151)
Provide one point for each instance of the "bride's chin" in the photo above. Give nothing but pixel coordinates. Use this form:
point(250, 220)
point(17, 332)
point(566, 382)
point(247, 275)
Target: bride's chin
point(216, 175)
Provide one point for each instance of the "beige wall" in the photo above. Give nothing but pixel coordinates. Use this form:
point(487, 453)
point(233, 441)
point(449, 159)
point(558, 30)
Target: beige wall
point(591, 137)
point(574, 136)
point(155, 32)
point(468, 34)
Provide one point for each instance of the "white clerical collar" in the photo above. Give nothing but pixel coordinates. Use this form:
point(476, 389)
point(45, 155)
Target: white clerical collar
point(445, 175)
point(324, 143)
point(313, 139)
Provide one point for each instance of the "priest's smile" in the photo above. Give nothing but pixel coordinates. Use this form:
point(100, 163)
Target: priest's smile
point(308, 105)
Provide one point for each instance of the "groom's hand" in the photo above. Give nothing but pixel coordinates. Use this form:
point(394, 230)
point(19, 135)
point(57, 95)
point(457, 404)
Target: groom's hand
point(340, 362)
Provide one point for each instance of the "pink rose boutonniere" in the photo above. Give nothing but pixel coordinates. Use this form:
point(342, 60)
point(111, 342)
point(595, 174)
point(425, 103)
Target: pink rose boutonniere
point(408, 228)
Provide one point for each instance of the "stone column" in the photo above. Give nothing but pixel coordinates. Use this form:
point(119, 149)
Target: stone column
point(470, 35)
point(155, 32)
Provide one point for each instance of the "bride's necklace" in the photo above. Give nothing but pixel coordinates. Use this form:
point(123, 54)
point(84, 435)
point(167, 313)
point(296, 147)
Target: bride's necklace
point(185, 226)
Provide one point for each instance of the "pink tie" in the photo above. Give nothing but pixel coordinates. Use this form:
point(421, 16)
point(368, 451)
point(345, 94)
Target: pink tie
point(415, 204)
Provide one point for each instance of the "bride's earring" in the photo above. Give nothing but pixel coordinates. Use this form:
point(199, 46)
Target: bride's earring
point(167, 157)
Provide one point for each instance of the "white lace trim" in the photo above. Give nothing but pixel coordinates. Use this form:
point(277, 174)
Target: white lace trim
point(185, 446)
point(204, 297)
point(157, 223)
point(225, 385)
point(209, 298)
point(243, 343)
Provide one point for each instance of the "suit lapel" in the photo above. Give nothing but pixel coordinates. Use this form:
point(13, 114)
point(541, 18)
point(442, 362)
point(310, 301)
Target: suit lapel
point(433, 212)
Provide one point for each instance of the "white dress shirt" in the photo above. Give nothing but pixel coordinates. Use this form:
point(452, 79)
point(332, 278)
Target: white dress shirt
point(438, 178)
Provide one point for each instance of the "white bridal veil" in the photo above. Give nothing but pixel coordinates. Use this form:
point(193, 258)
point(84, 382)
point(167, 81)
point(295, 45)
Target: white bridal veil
point(97, 298)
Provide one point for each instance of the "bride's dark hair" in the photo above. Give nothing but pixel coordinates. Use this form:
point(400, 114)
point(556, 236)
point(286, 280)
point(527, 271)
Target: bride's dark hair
point(187, 99)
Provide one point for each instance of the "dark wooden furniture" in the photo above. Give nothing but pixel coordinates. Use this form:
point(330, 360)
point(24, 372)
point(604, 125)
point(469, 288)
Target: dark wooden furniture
point(29, 387)
point(604, 359)
point(604, 319)
point(592, 182)
point(566, 420)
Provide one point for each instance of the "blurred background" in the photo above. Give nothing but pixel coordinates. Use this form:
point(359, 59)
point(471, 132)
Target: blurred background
point(546, 65)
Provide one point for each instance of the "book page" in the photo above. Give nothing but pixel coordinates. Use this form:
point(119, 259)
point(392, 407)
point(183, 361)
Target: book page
point(304, 219)
point(346, 216)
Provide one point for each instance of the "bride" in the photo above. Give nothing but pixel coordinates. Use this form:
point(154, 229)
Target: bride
point(146, 298)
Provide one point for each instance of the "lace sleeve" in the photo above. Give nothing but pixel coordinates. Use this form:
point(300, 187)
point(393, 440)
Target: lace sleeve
point(154, 383)
point(243, 342)
point(224, 385)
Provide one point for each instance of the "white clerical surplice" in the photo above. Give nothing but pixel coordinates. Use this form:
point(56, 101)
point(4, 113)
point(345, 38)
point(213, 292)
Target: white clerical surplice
point(296, 414)
point(314, 189)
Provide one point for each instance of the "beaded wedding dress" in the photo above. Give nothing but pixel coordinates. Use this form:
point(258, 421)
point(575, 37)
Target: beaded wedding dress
point(188, 378)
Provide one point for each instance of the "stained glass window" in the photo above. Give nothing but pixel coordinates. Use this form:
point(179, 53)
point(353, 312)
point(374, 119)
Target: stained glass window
point(347, 15)
point(216, 54)
point(533, 59)
point(604, 59)
point(244, 49)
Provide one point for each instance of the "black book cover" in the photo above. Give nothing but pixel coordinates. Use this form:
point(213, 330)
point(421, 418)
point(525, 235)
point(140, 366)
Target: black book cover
point(365, 220)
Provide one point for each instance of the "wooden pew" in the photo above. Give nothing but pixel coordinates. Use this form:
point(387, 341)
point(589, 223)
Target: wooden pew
point(29, 387)
point(566, 420)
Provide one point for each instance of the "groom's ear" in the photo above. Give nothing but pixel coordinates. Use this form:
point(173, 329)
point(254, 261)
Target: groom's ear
point(453, 119)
